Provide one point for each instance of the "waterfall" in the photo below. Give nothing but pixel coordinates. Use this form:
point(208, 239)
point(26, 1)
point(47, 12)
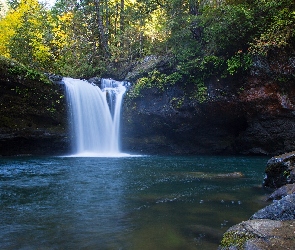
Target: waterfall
point(94, 116)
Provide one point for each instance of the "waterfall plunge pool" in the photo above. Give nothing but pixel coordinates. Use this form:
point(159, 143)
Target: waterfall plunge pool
point(101, 198)
point(146, 203)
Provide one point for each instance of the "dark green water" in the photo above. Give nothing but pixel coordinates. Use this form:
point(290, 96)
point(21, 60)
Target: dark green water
point(125, 203)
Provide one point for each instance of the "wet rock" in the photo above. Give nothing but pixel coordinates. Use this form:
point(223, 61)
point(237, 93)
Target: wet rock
point(95, 80)
point(280, 170)
point(283, 209)
point(176, 125)
point(260, 235)
point(55, 78)
point(282, 192)
point(33, 114)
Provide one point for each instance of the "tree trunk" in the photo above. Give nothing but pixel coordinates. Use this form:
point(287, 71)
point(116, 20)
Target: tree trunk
point(122, 14)
point(101, 29)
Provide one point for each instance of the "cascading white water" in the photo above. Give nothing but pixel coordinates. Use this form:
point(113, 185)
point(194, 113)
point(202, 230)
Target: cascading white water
point(95, 116)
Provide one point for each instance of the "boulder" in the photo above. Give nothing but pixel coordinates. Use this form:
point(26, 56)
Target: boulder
point(272, 227)
point(283, 209)
point(282, 192)
point(55, 78)
point(280, 170)
point(95, 81)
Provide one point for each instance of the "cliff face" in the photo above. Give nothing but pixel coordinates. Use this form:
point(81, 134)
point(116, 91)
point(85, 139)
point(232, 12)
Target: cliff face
point(254, 114)
point(33, 113)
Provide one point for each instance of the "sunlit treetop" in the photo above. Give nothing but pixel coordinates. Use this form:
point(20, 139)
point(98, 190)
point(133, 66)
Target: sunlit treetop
point(3, 8)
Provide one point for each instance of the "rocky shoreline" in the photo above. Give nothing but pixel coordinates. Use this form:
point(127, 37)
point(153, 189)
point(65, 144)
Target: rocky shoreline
point(272, 227)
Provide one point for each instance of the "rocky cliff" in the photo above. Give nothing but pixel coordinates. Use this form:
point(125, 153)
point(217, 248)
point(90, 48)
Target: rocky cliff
point(33, 113)
point(247, 114)
point(251, 114)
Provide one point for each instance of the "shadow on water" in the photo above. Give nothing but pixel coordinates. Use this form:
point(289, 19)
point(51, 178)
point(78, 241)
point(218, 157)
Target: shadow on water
point(143, 203)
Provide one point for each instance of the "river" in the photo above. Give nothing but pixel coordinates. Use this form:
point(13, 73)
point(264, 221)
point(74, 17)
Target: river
point(147, 202)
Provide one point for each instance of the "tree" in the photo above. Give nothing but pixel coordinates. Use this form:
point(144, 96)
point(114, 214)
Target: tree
point(276, 21)
point(25, 36)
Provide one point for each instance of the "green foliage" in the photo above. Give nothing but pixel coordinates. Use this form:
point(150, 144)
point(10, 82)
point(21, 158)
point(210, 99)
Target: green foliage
point(81, 38)
point(25, 35)
point(141, 84)
point(19, 71)
point(226, 29)
point(278, 20)
point(238, 63)
point(201, 92)
point(155, 79)
point(210, 65)
point(173, 78)
point(177, 102)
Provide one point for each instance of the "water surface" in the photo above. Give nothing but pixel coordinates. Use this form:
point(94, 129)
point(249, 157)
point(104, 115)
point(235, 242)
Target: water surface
point(147, 202)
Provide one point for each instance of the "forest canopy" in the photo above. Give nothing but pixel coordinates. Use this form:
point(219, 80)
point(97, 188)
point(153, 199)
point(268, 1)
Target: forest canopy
point(79, 38)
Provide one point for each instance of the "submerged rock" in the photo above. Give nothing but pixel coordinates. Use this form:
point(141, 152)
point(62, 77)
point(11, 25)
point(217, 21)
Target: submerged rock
point(206, 232)
point(208, 175)
point(272, 227)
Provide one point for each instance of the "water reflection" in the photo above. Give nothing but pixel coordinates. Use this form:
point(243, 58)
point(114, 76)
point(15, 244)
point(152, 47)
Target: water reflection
point(124, 203)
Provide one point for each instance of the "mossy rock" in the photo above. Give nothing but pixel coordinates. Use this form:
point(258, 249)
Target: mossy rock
point(259, 235)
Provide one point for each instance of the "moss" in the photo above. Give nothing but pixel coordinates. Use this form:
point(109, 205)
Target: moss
point(237, 239)
point(287, 173)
